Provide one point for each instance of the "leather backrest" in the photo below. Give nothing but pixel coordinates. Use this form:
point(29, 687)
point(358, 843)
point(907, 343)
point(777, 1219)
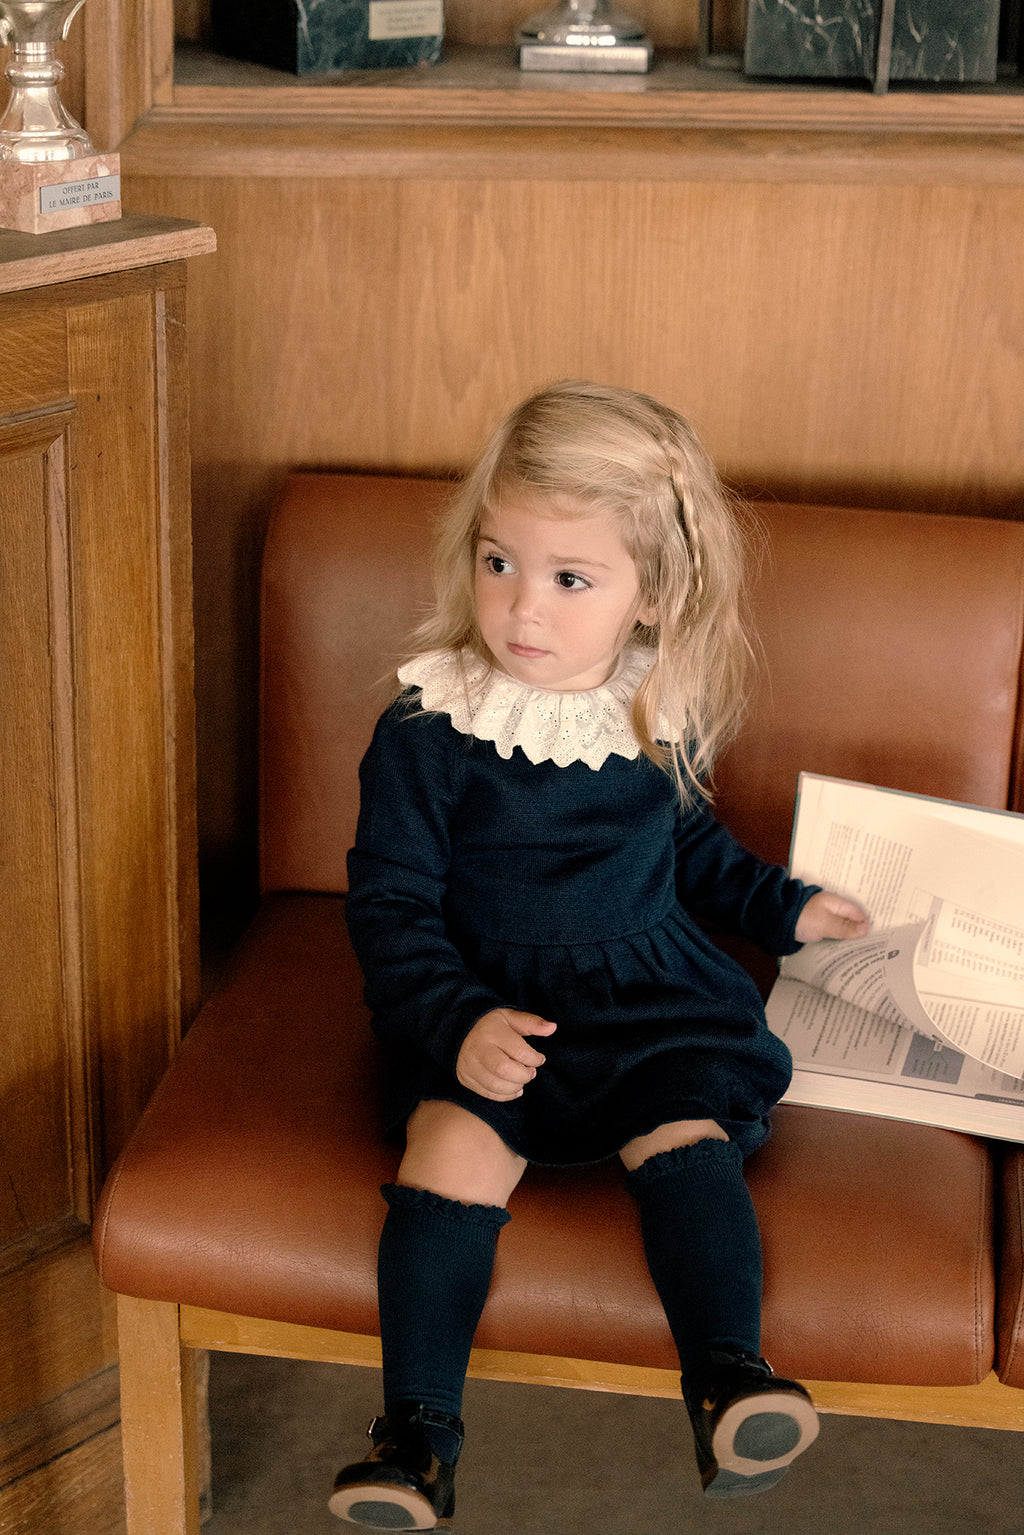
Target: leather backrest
point(892, 651)
point(892, 646)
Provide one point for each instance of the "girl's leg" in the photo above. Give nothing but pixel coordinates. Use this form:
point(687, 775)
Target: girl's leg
point(700, 1236)
point(434, 1269)
point(451, 1152)
point(703, 1248)
point(436, 1253)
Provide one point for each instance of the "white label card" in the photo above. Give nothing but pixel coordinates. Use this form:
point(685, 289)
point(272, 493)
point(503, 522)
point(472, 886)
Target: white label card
point(405, 18)
point(80, 194)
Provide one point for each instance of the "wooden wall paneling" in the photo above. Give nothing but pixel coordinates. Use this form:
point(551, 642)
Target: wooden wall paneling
point(128, 64)
point(60, 1464)
point(59, 1327)
point(132, 655)
point(832, 341)
point(820, 335)
point(670, 23)
point(81, 1490)
point(83, 1411)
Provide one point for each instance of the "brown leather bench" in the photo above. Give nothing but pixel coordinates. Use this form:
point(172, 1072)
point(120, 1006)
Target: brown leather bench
point(244, 1213)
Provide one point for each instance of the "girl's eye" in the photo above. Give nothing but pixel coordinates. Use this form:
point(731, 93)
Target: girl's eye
point(570, 582)
point(497, 564)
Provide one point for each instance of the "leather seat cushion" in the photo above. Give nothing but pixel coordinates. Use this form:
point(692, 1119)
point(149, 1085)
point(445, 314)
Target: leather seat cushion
point(252, 1186)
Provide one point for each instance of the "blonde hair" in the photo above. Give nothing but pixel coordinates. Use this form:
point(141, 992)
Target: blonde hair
point(601, 450)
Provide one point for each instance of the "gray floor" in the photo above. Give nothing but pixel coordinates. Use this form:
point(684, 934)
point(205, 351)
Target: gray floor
point(540, 1460)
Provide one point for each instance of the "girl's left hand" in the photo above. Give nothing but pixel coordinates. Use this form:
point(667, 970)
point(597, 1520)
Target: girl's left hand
point(831, 916)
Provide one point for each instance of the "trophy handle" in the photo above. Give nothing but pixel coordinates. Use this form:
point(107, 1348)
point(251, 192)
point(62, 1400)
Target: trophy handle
point(67, 25)
point(7, 26)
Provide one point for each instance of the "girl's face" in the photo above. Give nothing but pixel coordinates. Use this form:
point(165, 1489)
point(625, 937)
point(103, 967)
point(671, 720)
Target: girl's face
point(556, 597)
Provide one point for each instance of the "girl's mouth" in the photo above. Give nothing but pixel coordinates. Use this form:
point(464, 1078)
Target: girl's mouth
point(526, 652)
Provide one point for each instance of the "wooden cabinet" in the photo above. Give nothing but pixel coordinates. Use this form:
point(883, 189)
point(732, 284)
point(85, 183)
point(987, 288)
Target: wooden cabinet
point(98, 920)
point(124, 76)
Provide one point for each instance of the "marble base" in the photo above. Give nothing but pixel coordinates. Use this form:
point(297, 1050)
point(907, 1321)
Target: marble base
point(951, 41)
point(632, 58)
point(59, 194)
point(319, 37)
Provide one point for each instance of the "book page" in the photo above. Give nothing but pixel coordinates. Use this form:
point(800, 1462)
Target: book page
point(876, 973)
point(962, 884)
point(955, 994)
point(883, 850)
point(968, 953)
point(847, 1058)
point(938, 981)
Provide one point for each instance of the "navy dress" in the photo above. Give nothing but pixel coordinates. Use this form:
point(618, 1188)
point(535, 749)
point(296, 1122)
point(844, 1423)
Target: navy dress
point(478, 882)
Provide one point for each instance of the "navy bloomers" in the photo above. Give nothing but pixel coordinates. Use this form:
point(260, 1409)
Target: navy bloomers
point(479, 882)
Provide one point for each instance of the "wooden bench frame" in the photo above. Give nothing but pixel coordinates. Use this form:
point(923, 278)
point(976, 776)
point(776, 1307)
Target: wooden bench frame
point(160, 1428)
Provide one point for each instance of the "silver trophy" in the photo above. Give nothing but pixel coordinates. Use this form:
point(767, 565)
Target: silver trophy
point(50, 174)
point(36, 125)
point(584, 35)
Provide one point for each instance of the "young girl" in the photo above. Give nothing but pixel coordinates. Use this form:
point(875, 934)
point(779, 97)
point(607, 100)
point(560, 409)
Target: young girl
point(534, 846)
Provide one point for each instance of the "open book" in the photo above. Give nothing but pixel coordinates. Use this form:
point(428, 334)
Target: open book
point(923, 1019)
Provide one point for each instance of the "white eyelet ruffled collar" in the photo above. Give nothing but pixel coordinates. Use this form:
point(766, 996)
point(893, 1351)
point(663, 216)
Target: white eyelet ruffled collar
point(557, 727)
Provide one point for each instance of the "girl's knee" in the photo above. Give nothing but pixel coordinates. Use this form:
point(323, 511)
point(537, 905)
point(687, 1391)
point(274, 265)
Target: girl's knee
point(668, 1137)
point(453, 1153)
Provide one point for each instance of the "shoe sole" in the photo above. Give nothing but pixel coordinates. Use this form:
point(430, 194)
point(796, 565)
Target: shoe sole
point(374, 1507)
point(726, 1484)
point(757, 1438)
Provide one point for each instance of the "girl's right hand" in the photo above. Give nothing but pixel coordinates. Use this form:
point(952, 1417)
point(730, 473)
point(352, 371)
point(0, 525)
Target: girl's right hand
point(495, 1060)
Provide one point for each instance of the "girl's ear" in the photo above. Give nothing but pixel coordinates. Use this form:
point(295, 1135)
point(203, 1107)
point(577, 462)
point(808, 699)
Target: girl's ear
point(646, 615)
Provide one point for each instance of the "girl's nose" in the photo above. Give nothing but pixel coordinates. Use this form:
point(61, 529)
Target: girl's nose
point(525, 601)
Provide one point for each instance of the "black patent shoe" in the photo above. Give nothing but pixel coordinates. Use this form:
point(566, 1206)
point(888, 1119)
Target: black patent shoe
point(402, 1484)
point(748, 1425)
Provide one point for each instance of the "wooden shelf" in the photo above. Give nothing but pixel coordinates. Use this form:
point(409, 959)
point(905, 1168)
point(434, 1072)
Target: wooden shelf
point(484, 87)
point(64, 255)
point(475, 115)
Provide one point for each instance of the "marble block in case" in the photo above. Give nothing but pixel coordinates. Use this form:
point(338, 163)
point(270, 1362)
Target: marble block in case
point(320, 35)
point(932, 40)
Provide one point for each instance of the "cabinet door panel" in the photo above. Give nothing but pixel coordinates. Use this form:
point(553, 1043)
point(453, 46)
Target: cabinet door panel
point(117, 371)
point(33, 361)
point(44, 1087)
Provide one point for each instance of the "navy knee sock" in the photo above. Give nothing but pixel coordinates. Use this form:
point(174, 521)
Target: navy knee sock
point(434, 1269)
point(703, 1247)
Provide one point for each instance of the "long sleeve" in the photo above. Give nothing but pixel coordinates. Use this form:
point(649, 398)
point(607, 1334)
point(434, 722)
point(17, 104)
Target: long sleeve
point(417, 986)
point(717, 878)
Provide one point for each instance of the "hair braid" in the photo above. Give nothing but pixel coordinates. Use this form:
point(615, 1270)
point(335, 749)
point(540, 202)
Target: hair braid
point(688, 520)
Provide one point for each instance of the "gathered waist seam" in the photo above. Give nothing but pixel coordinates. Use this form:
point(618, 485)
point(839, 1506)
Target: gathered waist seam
point(588, 939)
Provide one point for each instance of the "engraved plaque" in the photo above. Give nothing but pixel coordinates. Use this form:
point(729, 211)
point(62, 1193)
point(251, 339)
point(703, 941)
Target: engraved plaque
point(391, 19)
point(90, 193)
